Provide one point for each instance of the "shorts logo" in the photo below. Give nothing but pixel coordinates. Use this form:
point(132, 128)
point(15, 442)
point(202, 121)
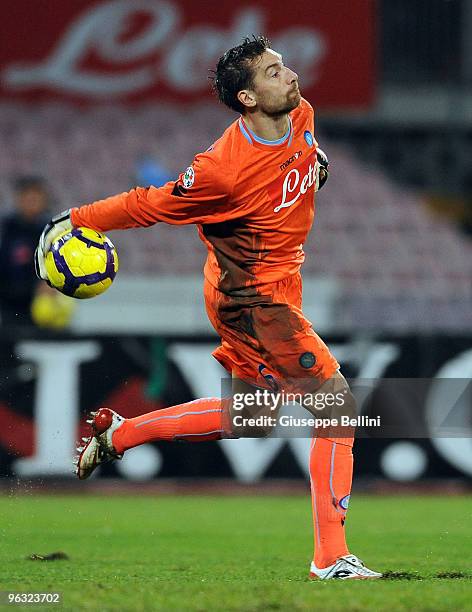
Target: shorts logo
point(309, 138)
point(269, 378)
point(307, 360)
point(344, 502)
point(188, 178)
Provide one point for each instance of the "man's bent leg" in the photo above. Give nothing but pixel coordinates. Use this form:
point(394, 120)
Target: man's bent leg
point(196, 421)
point(200, 420)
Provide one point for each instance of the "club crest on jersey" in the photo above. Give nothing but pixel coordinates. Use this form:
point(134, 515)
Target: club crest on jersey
point(188, 177)
point(294, 184)
point(309, 138)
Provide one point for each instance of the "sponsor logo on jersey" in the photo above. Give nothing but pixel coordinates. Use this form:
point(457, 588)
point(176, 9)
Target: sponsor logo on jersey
point(188, 177)
point(290, 160)
point(288, 188)
point(309, 138)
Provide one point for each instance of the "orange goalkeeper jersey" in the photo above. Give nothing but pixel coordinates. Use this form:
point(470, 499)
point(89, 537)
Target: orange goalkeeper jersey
point(252, 199)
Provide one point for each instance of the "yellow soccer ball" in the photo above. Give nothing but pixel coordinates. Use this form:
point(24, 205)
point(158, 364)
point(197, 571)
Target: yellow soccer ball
point(81, 263)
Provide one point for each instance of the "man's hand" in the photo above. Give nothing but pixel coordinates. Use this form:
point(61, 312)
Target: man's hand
point(322, 169)
point(58, 225)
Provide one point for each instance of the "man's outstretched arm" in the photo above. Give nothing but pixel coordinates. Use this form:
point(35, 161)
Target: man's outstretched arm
point(201, 194)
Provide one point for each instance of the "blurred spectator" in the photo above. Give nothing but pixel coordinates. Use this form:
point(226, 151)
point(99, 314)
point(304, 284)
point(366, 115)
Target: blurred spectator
point(19, 234)
point(149, 172)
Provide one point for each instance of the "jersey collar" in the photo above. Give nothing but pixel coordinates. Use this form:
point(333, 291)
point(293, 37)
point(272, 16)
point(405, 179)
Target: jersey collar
point(255, 140)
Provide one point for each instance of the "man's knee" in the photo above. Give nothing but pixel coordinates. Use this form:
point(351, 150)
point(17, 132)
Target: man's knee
point(334, 402)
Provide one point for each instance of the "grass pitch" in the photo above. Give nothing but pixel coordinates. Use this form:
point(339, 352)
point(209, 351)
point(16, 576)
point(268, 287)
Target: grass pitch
point(232, 553)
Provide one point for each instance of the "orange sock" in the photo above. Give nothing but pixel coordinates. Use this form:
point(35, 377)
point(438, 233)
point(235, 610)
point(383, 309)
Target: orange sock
point(331, 464)
point(196, 421)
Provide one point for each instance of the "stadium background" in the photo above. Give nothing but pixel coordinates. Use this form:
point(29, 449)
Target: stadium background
point(104, 95)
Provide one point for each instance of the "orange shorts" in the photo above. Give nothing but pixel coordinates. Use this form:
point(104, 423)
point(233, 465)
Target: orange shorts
point(266, 335)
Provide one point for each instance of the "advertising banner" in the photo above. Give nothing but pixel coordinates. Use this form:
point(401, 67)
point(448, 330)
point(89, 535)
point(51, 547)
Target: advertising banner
point(414, 396)
point(132, 51)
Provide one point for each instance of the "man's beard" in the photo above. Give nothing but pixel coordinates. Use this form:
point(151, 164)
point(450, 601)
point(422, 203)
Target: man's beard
point(280, 111)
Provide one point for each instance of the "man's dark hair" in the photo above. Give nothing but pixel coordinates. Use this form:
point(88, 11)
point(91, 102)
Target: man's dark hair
point(25, 183)
point(234, 73)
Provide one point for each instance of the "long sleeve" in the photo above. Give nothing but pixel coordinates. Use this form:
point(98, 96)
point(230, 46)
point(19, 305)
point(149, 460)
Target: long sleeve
point(201, 194)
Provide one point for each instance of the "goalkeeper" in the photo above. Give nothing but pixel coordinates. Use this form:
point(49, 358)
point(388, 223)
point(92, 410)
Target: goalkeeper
point(251, 195)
